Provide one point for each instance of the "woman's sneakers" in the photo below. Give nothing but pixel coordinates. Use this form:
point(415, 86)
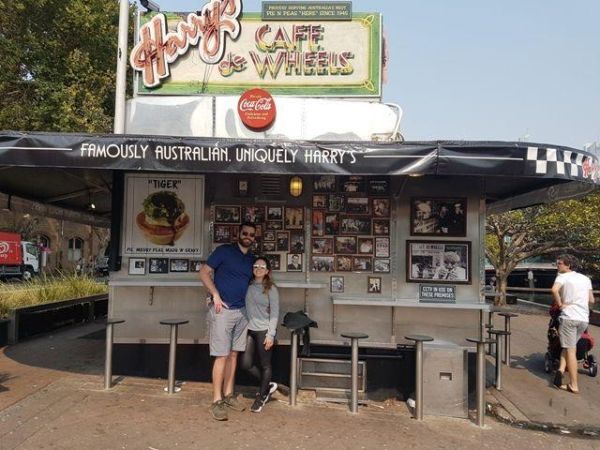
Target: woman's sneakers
point(261, 400)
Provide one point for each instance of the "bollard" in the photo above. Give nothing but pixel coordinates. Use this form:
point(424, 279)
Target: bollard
point(108, 355)
point(419, 339)
point(354, 337)
point(294, 368)
point(480, 378)
point(174, 324)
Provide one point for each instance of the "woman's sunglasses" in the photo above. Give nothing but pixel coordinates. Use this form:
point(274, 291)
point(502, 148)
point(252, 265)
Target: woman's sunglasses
point(259, 266)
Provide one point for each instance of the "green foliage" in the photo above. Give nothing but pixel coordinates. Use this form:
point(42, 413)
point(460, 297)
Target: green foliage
point(47, 290)
point(57, 71)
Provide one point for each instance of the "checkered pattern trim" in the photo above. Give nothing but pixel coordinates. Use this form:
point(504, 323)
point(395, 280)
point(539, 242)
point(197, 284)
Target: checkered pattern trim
point(552, 161)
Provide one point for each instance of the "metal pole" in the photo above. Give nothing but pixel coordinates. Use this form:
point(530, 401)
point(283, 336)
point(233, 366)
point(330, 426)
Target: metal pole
point(293, 368)
point(172, 350)
point(121, 85)
point(498, 362)
point(507, 341)
point(108, 357)
point(419, 381)
point(354, 406)
point(480, 383)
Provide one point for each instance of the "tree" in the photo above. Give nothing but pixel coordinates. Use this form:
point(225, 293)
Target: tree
point(568, 226)
point(57, 71)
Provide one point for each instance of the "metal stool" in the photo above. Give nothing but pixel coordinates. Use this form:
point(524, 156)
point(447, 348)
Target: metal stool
point(507, 316)
point(110, 323)
point(354, 337)
point(480, 378)
point(294, 367)
point(491, 341)
point(499, 334)
point(174, 324)
point(419, 339)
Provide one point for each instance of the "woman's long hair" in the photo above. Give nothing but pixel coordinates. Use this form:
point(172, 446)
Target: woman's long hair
point(267, 280)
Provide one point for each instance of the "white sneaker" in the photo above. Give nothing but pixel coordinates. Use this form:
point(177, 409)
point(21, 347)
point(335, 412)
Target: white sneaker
point(272, 388)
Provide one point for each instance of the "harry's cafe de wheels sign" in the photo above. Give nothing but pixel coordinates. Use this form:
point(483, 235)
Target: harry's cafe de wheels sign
point(312, 49)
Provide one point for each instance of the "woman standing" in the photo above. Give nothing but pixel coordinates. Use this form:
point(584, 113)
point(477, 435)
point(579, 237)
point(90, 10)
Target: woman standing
point(262, 308)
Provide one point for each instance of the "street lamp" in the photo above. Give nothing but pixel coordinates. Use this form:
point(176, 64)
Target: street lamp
point(121, 85)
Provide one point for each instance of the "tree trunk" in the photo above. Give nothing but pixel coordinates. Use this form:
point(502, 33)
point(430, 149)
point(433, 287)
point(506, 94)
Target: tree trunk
point(502, 283)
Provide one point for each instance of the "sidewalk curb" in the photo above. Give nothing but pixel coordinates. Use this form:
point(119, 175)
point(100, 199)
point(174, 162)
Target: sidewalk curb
point(506, 412)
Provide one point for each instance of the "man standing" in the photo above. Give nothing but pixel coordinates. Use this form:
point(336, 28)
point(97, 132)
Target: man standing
point(572, 293)
point(231, 267)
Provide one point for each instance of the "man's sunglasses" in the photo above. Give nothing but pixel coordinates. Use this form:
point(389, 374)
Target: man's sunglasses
point(245, 233)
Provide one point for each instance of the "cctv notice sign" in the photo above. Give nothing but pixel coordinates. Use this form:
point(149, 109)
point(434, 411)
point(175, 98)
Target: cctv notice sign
point(304, 49)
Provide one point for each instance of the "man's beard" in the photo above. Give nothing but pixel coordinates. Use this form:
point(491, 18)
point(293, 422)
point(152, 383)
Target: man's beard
point(244, 244)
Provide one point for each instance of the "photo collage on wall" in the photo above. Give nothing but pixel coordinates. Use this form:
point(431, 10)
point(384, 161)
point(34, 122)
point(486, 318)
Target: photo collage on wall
point(279, 232)
point(350, 226)
point(144, 266)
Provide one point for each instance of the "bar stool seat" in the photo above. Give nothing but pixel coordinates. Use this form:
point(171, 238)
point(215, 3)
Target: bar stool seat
point(354, 337)
point(508, 314)
point(110, 323)
point(419, 339)
point(174, 324)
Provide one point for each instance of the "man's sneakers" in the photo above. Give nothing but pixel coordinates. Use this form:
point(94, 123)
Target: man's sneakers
point(262, 400)
point(231, 401)
point(219, 410)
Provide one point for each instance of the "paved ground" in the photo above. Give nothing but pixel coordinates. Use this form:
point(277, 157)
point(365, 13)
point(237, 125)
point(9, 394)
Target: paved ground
point(51, 396)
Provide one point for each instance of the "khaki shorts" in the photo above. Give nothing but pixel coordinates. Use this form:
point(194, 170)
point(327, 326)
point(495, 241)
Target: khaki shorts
point(227, 330)
point(569, 332)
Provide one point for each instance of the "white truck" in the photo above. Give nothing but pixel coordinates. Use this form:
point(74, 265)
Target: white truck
point(18, 258)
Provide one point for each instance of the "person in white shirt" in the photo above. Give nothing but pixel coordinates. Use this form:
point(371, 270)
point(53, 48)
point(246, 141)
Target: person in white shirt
point(573, 294)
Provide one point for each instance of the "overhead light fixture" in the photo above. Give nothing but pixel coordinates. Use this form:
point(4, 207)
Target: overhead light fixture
point(295, 186)
point(150, 5)
point(415, 175)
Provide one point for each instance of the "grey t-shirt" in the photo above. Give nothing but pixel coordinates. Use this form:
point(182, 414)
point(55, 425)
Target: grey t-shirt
point(262, 309)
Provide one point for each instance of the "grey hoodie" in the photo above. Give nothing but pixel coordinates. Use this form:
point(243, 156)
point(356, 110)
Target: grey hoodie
point(262, 310)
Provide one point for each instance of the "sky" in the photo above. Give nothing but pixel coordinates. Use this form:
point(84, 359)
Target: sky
point(511, 70)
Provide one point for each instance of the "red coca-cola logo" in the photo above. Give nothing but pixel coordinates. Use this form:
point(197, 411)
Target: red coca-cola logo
point(257, 109)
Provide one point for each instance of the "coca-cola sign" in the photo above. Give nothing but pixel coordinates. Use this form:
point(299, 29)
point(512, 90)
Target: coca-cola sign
point(256, 108)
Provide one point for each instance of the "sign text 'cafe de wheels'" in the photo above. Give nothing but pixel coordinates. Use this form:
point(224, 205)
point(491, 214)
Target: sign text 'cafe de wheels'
point(275, 117)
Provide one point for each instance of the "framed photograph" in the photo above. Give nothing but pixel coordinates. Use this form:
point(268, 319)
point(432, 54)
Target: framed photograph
point(254, 214)
point(362, 263)
point(294, 218)
point(319, 201)
point(353, 184)
point(322, 246)
point(243, 186)
point(378, 187)
point(294, 262)
point(274, 213)
point(343, 263)
point(381, 207)
point(137, 266)
point(158, 265)
point(275, 261)
point(381, 227)
point(381, 266)
point(336, 203)
point(256, 246)
point(283, 241)
point(268, 246)
point(297, 241)
point(345, 244)
point(438, 216)
point(365, 246)
point(318, 223)
point(269, 235)
point(195, 265)
point(357, 205)
point(382, 247)
point(274, 225)
point(332, 224)
point(227, 214)
point(179, 265)
point(336, 285)
point(374, 285)
point(222, 234)
point(324, 183)
point(355, 225)
point(259, 230)
point(438, 262)
point(322, 264)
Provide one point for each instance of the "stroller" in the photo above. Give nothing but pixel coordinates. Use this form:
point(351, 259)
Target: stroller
point(584, 345)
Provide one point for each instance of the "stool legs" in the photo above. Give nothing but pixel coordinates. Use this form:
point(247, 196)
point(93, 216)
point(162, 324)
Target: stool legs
point(294, 369)
point(499, 362)
point(354, 404)
point(480, 383)
point(507, 341)
point(108, 357)
point(172, 354)
point(419, 381)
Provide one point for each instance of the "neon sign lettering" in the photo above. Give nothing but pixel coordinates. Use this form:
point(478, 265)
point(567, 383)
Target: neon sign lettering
point(157, 48)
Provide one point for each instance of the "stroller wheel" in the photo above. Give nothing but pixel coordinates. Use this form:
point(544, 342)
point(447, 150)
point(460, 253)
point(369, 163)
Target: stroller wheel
point(548, 365)
point(593, 366)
